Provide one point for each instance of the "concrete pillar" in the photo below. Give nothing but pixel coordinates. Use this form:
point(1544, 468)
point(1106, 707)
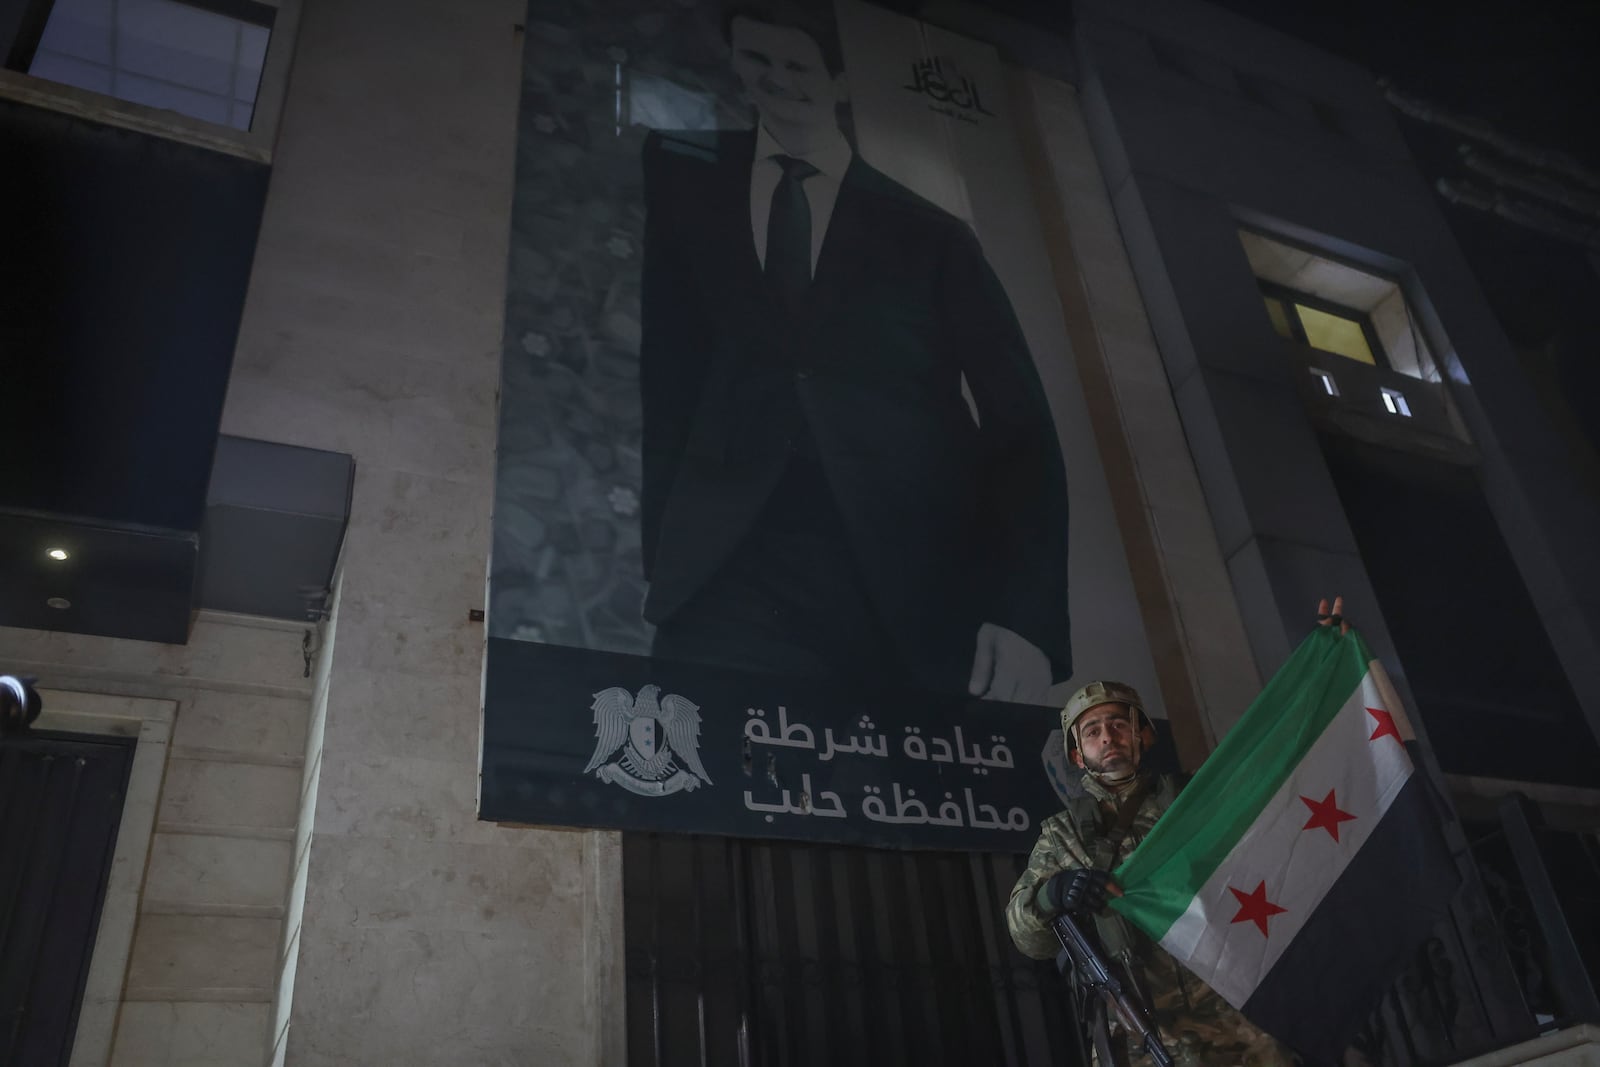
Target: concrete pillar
point(373, 327)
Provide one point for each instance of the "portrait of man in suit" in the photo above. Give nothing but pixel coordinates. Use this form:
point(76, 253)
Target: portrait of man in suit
point(849, 465)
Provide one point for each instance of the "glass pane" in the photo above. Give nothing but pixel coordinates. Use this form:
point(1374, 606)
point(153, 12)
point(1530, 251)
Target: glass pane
point(176, 43)
point(160, 53)
point(78, 28)
point(1279, 317)
point(69, 71)
point(1334, 333)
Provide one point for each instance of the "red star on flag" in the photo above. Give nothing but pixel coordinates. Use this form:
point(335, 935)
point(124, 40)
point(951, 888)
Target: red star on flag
point(1325, 814)
point(1254, 907)
point(1386, 726)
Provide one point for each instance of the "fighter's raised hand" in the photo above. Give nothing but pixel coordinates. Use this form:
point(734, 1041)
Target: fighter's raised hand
point(1334, 617)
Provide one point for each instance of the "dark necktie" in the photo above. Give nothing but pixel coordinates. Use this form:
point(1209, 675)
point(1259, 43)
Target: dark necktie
point(788, 264)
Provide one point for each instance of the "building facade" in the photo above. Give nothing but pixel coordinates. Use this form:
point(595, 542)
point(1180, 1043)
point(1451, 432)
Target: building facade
point(1292, 387)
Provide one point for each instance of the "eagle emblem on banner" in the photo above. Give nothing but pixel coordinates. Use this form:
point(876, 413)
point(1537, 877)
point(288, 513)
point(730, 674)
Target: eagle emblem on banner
point(649, 745)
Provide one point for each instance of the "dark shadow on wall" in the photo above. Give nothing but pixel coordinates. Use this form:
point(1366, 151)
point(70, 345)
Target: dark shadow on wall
point(1485, 675)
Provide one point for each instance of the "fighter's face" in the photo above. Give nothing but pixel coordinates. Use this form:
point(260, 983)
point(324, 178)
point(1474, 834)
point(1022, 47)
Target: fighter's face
point(782, 70)
point(1105, 740)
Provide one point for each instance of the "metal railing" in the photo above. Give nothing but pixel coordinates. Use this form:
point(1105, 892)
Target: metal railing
point(768, 953)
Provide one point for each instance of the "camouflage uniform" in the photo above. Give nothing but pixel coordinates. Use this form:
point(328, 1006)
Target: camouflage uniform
point(1197, 1025)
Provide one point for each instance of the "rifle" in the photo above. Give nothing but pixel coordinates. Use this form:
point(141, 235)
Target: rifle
point(1092, 970)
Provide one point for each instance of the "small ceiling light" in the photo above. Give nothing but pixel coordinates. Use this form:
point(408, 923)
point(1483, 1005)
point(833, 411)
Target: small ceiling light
point(60, 603)
point(58, 553)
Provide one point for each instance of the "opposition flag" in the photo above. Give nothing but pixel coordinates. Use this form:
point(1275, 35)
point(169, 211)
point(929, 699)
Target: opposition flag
point(1305, 861)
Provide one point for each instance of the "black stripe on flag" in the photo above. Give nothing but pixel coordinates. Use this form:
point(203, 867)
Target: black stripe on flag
point(1387, 901)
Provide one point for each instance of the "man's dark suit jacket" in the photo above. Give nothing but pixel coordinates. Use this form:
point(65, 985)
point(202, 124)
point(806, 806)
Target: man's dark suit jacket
point(953, 523)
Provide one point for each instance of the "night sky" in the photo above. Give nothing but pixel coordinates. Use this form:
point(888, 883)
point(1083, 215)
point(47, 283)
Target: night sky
point(1528, 66)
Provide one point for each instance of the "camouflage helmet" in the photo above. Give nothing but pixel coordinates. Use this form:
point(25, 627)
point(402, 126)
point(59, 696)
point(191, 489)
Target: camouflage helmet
point(1092, 696)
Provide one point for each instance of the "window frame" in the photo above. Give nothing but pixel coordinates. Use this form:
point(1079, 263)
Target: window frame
point(1289, 297)
point(255, 143)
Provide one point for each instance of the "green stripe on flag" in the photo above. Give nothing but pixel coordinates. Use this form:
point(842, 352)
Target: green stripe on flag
point(1234, 784)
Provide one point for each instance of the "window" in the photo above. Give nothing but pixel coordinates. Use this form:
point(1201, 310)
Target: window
point(1334, 333)
point(200, 58)
point(1278, 312)
point(1326, 327)
point(1394, 402)
point(1362, 314)
point(1329, 386)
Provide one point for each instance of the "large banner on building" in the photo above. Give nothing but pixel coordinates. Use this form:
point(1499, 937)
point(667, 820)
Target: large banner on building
point(789, 429)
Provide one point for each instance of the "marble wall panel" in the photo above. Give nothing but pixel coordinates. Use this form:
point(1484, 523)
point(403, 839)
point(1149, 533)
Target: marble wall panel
point(458, 280)
point(207, 792)
point(363, 199)
point(420, 540)
point(259, 408)
point(191, 1035)
point(1159, 446)
point(407, 716)
point(1224, 497)
point(223, 649)
point(1193, 573)
point(264, 725)
point(204, 870)
point(423, 997)
point(360, 883)
point(406, 383)
point(185, 955)
point(445, 578)
point(408, 799)
point(605, 1001)
point(1096, 239)
point(424, 515)
point(439, 448)
point(402, 639)
point(1134, 357)
point(351, 373)
point(1160, 298)
point(1107, 272)
point(108, 970)
point(425, 937)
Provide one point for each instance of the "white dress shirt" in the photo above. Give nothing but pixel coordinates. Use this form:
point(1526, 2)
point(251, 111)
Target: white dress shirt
point(821, 189)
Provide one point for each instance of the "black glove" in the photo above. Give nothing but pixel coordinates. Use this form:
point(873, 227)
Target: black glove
point(1082, 891)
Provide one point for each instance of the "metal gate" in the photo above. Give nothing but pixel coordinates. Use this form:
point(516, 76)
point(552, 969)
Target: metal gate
point(764, 954)
point(60, 804)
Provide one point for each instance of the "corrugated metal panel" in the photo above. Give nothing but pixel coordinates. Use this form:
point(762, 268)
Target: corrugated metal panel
point(60, 804)
point(747, 952)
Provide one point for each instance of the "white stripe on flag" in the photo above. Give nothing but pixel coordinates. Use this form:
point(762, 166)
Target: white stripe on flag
point(1297, 865)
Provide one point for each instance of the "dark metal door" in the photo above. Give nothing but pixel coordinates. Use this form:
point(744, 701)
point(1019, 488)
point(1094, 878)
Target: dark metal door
point(60, 803)
point(763, 954)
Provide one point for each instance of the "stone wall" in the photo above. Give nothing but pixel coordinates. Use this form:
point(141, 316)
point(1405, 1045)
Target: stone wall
point(319, 889)
point(1197, 636)
point(373, 326)
point(186, 952)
